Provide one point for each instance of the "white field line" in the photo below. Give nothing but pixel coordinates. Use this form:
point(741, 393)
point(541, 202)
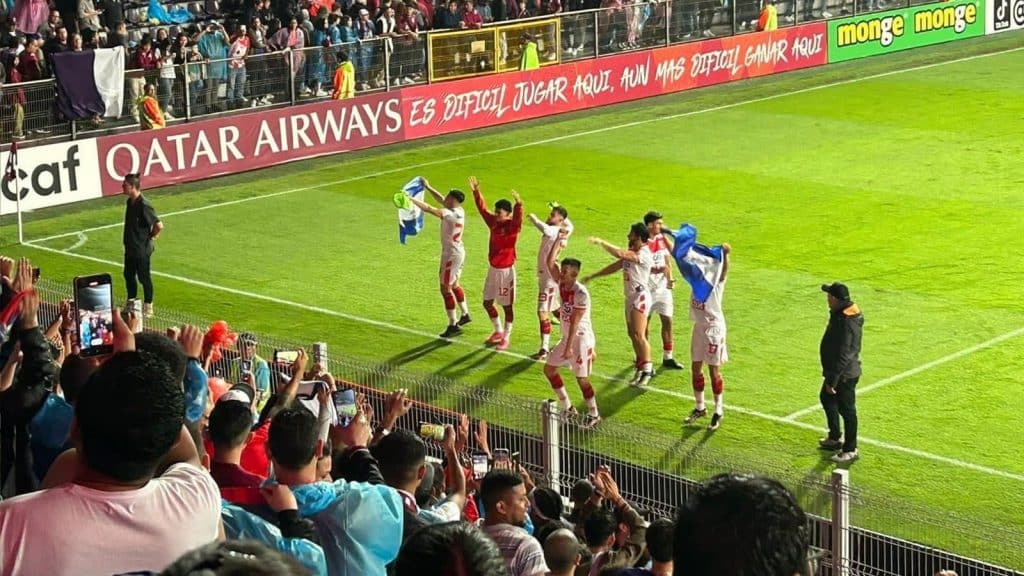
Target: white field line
point(328, 312)
point(550, 140)
point(922, 368)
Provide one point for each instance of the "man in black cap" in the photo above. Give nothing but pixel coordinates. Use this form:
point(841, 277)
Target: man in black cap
point(840, 365)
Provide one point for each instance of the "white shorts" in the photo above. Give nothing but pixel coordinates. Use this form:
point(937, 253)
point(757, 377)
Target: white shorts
point(708, 344)
point(581, 357)
point(451, 268)
point(547, 293)
point(500, 285)
point(662, 303)
point(639, 301)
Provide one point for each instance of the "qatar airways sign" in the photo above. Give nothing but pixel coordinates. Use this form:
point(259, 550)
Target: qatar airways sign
point(194, 151)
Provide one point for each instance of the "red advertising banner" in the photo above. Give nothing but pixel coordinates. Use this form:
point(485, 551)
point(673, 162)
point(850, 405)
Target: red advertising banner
point(489, 100)
point(197, 150)
point(193, 151)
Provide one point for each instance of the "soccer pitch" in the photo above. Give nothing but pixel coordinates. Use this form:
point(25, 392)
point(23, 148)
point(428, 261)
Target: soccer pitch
point(900, 176)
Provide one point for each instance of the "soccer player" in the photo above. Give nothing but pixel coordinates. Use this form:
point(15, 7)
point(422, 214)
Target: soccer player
point(576, 346)
point(547, 287)
point(662, 283)
point(708, 347)
point(453, 254)
point(636, 263)
point(505, 223)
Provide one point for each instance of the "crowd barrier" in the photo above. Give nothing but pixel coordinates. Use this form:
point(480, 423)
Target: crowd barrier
point(654, 472)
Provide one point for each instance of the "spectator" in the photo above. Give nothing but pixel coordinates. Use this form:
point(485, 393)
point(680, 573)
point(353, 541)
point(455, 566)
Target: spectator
point(113, 12)
point(68, 10)
point(150, 115)
point(615, 539)
point(739, 524)
point(167, 77)
point(50, 428)
point(294, 39)
point(447, 16)
point(257, 69)
point(56, 43)
point(88, 16)
point(213, 45)
point(546, 512)
point(452, 548)
point(365, 51)
point(386, 29)
point(142, 61)
point(238, 52)
point(315, 68)
point(162, 41)
point(769, 19)
point(471, 18)
point(346, 31)
point(128, 425)
point(499, 10)
point(344, 78)
point(562, 552)
point(522, 11)
point(231, 557)
point(118, 37)
point(359, 524)
point(30, 65)
point(253, 370)
point(505, 502)
point(483, 7)
point(30, 15)
point(49, 28)
point(90, 40)
point(230, 430)
point(659, 548)
point(582, 492)
point(408, 54)
point(14, 96)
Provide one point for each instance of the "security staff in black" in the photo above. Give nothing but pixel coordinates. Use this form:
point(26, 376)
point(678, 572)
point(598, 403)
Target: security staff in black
point(840, 365)
point(141, 227)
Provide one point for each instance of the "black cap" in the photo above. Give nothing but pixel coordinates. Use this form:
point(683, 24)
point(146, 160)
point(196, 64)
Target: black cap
point(248, 338)
point(837, 289)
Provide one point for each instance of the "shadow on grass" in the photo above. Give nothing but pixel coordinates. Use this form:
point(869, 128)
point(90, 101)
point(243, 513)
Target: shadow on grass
point(413, 354)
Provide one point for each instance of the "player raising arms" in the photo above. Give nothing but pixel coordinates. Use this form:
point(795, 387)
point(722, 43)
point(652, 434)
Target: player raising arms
point(636, 263)
point(662, 283)
point(547, 286)
point(453, 254)
point(576, 346)
point(708, 347)
point(505, 223)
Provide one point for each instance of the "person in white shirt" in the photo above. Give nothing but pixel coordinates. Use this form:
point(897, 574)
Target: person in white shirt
point(662, 283)
point(506, 503)
point(453, 254)
point(576, 348)
point(137, 497)
point(707, 346)
point(547, 287)
point(635, 262)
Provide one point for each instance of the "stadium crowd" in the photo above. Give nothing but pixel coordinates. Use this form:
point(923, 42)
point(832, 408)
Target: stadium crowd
point(180, 453)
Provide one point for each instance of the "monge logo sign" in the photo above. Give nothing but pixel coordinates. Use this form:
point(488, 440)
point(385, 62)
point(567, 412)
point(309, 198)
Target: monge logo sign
point(882, 30)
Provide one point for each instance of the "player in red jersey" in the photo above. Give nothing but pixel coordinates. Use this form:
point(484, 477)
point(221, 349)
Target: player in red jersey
point(505, 223)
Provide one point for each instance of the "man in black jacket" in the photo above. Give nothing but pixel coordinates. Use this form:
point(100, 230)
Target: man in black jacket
point(840, 365)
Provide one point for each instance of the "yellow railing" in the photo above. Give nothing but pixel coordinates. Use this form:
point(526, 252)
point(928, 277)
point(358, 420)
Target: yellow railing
point(464, 53)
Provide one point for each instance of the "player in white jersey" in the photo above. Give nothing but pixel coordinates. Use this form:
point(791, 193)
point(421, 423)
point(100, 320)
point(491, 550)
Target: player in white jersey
point(636, 263)
point(453, 254)
point(662, 283)
point(547, 286)
point(708, 347)
point(575, 348)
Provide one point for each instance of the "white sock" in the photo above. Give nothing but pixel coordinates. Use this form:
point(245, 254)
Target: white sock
point(545, 341)
point(699, 397)
point(497, 323)
point(508, 330)
point(464, 307)
point(647, 367)
point(719, 405)
point(451, 316)
point(563, 398)
point(668, 355)
point(592, 406)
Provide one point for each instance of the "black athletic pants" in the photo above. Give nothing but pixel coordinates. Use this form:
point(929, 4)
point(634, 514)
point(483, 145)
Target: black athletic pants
point(137, 266)
point(842, 404)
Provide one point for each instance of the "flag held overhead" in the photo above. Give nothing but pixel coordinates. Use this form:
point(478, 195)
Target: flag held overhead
point(410, 217)
point(701, 265)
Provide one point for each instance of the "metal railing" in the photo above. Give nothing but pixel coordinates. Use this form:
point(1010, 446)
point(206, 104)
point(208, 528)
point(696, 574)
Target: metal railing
point(200, 89)
point(655, 471)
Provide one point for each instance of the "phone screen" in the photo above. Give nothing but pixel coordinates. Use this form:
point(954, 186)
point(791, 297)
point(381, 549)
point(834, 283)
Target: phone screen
point(501, 454)
point(308, 388)
point(479, 466)
point(285, 356)
point(345, 406)
point(94, 310)
point(432, 431)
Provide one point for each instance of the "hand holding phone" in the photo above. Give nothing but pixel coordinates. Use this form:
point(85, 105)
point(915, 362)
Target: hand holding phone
point(433, 432)
point(94, 313)
point(345, 406)
point(480, 467)
point(285, 356)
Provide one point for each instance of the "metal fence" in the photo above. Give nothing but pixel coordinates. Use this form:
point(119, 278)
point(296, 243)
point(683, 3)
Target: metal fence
point(654, 470)
point(209, 87)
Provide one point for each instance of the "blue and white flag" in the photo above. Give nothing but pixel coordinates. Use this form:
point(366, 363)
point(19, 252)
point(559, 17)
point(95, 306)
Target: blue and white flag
point(410, 218)
point(701, 265)
point(89, 83)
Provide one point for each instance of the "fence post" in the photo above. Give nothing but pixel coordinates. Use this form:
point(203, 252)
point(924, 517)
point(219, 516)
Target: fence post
point(841, 522)
point(597, 36)
point(670, 13)
point(550, 426)
point(187, 100)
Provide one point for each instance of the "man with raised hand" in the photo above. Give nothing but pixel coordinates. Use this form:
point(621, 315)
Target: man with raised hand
point(453, 253)
point(505, 224)
point(662, 283)
point(547, 287)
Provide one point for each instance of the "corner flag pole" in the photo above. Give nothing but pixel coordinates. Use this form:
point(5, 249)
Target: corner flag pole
point(11, 175)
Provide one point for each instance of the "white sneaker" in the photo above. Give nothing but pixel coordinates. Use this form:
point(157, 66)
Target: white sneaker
point(645, 378)
point(321, 93)
point(845, 457)
point(826, 14)
point(364, 86)
point(408, 81)
point(305, 91)
point(167, 116)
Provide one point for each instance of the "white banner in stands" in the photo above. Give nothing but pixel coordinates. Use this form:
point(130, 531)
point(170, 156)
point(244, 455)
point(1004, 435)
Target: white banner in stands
point(51, 175)
point(1004, 15)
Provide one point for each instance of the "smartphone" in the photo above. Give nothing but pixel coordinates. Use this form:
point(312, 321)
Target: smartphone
point(245, 366)
point(308, 389)
point(432, 431)
point(345, 406)
point(285, 356)
point(94, 312)
point(501, 455)
point(479, 466)
point(35, 274)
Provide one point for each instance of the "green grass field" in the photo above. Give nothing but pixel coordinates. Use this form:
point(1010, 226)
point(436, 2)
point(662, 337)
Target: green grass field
point(899, 175)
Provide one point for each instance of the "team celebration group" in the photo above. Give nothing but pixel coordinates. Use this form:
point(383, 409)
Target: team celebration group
point(648, 282)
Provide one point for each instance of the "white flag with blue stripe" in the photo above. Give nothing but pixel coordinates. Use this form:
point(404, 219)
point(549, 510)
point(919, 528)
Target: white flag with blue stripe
point(701, 265)
point(410, 217)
